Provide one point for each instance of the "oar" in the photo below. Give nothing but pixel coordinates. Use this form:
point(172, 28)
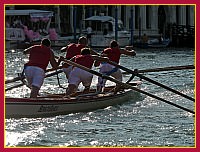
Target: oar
point(19, 77)
point(53, 73)
point(16, 86)
point(126, 85)
point(48, 75)
point(165, 69)
point(168, 68)
point(13, 80)
point(150, 80)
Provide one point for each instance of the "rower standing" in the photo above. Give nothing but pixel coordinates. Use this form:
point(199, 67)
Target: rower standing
point(72, 50)
point(113, 53)
point(78, 75)
point(39, 58)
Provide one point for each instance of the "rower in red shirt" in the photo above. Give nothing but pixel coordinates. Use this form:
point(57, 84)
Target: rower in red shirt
point(72, 50)
point(39, 58)
point(113, 53)
point(78, 75)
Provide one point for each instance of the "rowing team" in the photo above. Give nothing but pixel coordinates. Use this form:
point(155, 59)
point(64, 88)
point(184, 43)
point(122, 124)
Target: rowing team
point(41, 55)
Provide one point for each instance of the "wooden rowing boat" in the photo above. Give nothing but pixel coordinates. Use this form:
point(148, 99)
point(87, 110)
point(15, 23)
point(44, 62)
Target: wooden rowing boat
point(56, 104)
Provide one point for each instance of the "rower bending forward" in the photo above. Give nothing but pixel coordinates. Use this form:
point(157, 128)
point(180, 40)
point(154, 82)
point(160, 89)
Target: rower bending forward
point(39, 58)
point(113, 53)
point(78, 75)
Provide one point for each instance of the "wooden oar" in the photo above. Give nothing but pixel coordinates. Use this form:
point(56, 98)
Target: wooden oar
point(150, 80)
point(165, 69)
point(16, 86)
point(53, 73)
point(48, 75)
point(19, 77)
point(125, 85)
point(168, 68)
point(13, 80)
point(171, 68)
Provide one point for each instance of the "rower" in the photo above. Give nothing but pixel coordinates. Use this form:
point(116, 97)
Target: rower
point(113, 53)
point(77, 75)
point(39, 58)
point(72, 50)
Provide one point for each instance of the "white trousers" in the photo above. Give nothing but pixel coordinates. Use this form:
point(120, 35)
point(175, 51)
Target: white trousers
point(104, 68)
point(67, 71)
point(78, 75)
point(34, 75)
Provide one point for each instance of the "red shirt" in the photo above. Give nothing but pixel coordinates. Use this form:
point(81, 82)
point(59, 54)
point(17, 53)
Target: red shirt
point(39, 56)
point(73, 50)
point(85, 60)
point(113, 54)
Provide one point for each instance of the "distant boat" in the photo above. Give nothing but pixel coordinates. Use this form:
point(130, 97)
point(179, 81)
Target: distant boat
point(103, 31)
point(157, 44)
point(154, 43)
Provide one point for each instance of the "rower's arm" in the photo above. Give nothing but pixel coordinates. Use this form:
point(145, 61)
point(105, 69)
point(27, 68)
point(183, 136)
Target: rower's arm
point(64, 49)
point(128, 51)
point(94, 52)
point(27, 51)
point(99, 59)
point(73, 59)
point(53, 61)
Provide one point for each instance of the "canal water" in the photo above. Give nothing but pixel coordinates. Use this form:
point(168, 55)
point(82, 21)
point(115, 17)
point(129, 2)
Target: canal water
point(140, 122)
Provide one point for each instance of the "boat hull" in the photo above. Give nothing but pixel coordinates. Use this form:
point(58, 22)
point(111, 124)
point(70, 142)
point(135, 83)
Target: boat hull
point(57, 105)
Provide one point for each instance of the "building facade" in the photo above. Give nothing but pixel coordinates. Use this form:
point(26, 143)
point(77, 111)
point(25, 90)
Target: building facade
point(176, 22)
point(152, 20)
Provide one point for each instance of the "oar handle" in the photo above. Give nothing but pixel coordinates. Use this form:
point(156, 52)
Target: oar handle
point(53, 73)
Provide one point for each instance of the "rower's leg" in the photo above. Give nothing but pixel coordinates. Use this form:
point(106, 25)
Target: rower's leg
point(117, 75)
point(99, 88)
point(86, 89)
point(67, 69)
point(117, 88)
point(34, 91)
point(101, 84)
point(71, 89)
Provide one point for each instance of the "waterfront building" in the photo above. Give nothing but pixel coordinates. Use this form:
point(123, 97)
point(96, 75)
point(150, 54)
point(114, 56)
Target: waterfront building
point(172, 21)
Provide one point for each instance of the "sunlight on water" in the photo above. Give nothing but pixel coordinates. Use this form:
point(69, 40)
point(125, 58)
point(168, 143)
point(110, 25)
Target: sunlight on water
point(13, 139)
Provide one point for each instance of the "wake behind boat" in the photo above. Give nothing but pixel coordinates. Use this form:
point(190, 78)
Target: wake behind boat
point(57, 104)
